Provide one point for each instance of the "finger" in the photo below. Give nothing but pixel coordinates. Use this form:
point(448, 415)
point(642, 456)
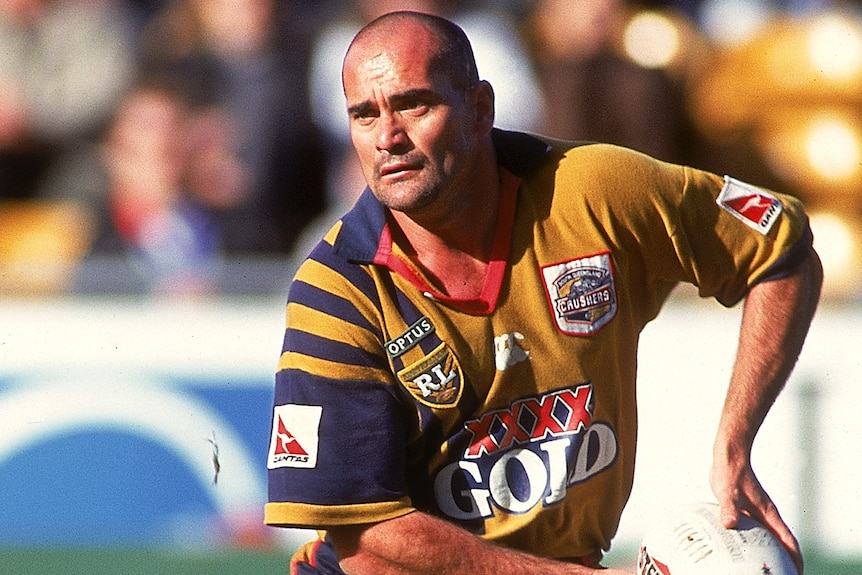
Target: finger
point(772, 519)
point(729, 513)
point(728, 503)
point(726, 488)
point(749, 498)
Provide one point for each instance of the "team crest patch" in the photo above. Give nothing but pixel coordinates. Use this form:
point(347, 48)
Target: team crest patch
point(295, 436)
point(435, 380)
point(581, 294)
point(751, 205)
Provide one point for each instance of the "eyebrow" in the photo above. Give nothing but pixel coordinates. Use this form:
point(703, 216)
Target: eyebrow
point(414, 94)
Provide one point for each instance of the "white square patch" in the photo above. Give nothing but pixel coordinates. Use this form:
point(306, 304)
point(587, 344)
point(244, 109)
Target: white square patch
point(751, 205)
point(295, 436)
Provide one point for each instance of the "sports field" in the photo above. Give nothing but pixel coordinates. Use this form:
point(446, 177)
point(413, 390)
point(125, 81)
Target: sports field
point(139, 562)
point(156, 562)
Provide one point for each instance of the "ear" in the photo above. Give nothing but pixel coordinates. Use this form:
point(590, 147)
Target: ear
point(482, 99)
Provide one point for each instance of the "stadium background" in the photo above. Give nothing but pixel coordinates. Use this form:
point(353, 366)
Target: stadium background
point(134, 425)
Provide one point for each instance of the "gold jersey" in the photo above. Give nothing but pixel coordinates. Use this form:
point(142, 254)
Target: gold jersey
point(513, 415)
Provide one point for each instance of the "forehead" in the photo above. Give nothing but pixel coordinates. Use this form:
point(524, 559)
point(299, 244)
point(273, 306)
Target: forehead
point(383, 59)
point(382, 68)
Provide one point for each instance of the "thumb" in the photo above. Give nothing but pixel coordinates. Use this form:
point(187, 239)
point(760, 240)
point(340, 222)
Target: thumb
point(729, 515)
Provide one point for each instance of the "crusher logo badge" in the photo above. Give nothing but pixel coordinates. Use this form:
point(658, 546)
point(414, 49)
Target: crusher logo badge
point(750, 205)
point(435, 380)
point(294, 436)
point(581, 294)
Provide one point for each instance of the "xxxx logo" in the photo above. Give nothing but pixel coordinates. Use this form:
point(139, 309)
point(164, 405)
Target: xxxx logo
point(531, 419)
point(526, 456)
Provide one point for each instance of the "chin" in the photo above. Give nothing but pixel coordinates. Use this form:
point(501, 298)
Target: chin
point(404, 200)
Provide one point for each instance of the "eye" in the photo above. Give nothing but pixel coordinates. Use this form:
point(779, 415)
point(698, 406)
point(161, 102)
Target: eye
point(416, 106)
point(363, 115)
point(364, 118)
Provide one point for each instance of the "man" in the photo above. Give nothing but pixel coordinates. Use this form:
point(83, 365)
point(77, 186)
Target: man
point(456, 392)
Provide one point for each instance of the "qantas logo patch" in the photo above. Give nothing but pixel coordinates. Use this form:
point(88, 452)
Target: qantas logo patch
point(581, 294)
point(295, 436)
point(751, 205)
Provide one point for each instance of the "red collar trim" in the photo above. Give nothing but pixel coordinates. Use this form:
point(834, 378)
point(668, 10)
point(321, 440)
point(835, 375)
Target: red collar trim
point(487, 300)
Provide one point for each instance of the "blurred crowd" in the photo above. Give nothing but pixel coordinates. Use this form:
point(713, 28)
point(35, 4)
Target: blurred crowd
point(186, 131)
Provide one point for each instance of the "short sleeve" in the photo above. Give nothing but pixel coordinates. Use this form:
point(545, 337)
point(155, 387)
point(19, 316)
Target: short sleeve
point(732, 234)
point(336, 453)
point(337, 445)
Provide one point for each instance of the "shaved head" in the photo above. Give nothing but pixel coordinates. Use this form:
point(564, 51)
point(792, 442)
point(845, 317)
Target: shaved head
point(453, 56)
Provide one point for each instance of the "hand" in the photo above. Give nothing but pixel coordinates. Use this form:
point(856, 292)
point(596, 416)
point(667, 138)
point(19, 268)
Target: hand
point(739, 491)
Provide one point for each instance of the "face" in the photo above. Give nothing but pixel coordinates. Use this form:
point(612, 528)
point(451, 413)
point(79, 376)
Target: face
point(415, 135)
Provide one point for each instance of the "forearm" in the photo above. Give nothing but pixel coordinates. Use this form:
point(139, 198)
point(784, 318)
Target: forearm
point(775, 323)
point(421, 544)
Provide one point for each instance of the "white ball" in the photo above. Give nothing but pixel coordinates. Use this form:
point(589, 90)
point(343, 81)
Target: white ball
point(692, 541)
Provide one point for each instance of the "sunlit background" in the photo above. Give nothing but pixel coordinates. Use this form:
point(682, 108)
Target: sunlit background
point(135, 383)
point(790, 83)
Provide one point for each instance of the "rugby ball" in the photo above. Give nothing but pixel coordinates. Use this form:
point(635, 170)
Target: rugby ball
point(692, 541)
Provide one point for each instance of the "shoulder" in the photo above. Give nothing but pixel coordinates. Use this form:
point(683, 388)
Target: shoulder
point(607, 177)
point(527, 155)
point(611, 164)
point(326, 271)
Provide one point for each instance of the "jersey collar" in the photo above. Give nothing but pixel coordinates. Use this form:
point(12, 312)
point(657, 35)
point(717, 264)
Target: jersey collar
point(365, 236)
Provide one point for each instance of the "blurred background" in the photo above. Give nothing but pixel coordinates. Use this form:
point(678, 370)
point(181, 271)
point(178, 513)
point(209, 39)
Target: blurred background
point(165, 165)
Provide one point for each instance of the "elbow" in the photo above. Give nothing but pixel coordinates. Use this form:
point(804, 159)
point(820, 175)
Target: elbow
point(812, 270)
point(352, 558)
point(816, 270)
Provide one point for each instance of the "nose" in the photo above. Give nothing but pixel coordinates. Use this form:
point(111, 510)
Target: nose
point(391, 134)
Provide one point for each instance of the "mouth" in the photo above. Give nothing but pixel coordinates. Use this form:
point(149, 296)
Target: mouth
point(396, 169)
point(398, 166)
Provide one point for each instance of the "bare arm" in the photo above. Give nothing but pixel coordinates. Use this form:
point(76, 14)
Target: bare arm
point(775, 322)
point(418, 544)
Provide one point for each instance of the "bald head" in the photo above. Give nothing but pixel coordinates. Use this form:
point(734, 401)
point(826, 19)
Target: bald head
point(452, 56)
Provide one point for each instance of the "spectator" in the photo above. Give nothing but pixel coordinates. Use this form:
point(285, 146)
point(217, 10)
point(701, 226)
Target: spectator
point(596, 93)
point(63, 66)
point(248, 58)
point(150, 214)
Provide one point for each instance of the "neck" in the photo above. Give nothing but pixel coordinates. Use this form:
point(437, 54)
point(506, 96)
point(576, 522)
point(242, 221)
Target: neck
point(470, 232)
point(454, 248)
point(466, 225)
